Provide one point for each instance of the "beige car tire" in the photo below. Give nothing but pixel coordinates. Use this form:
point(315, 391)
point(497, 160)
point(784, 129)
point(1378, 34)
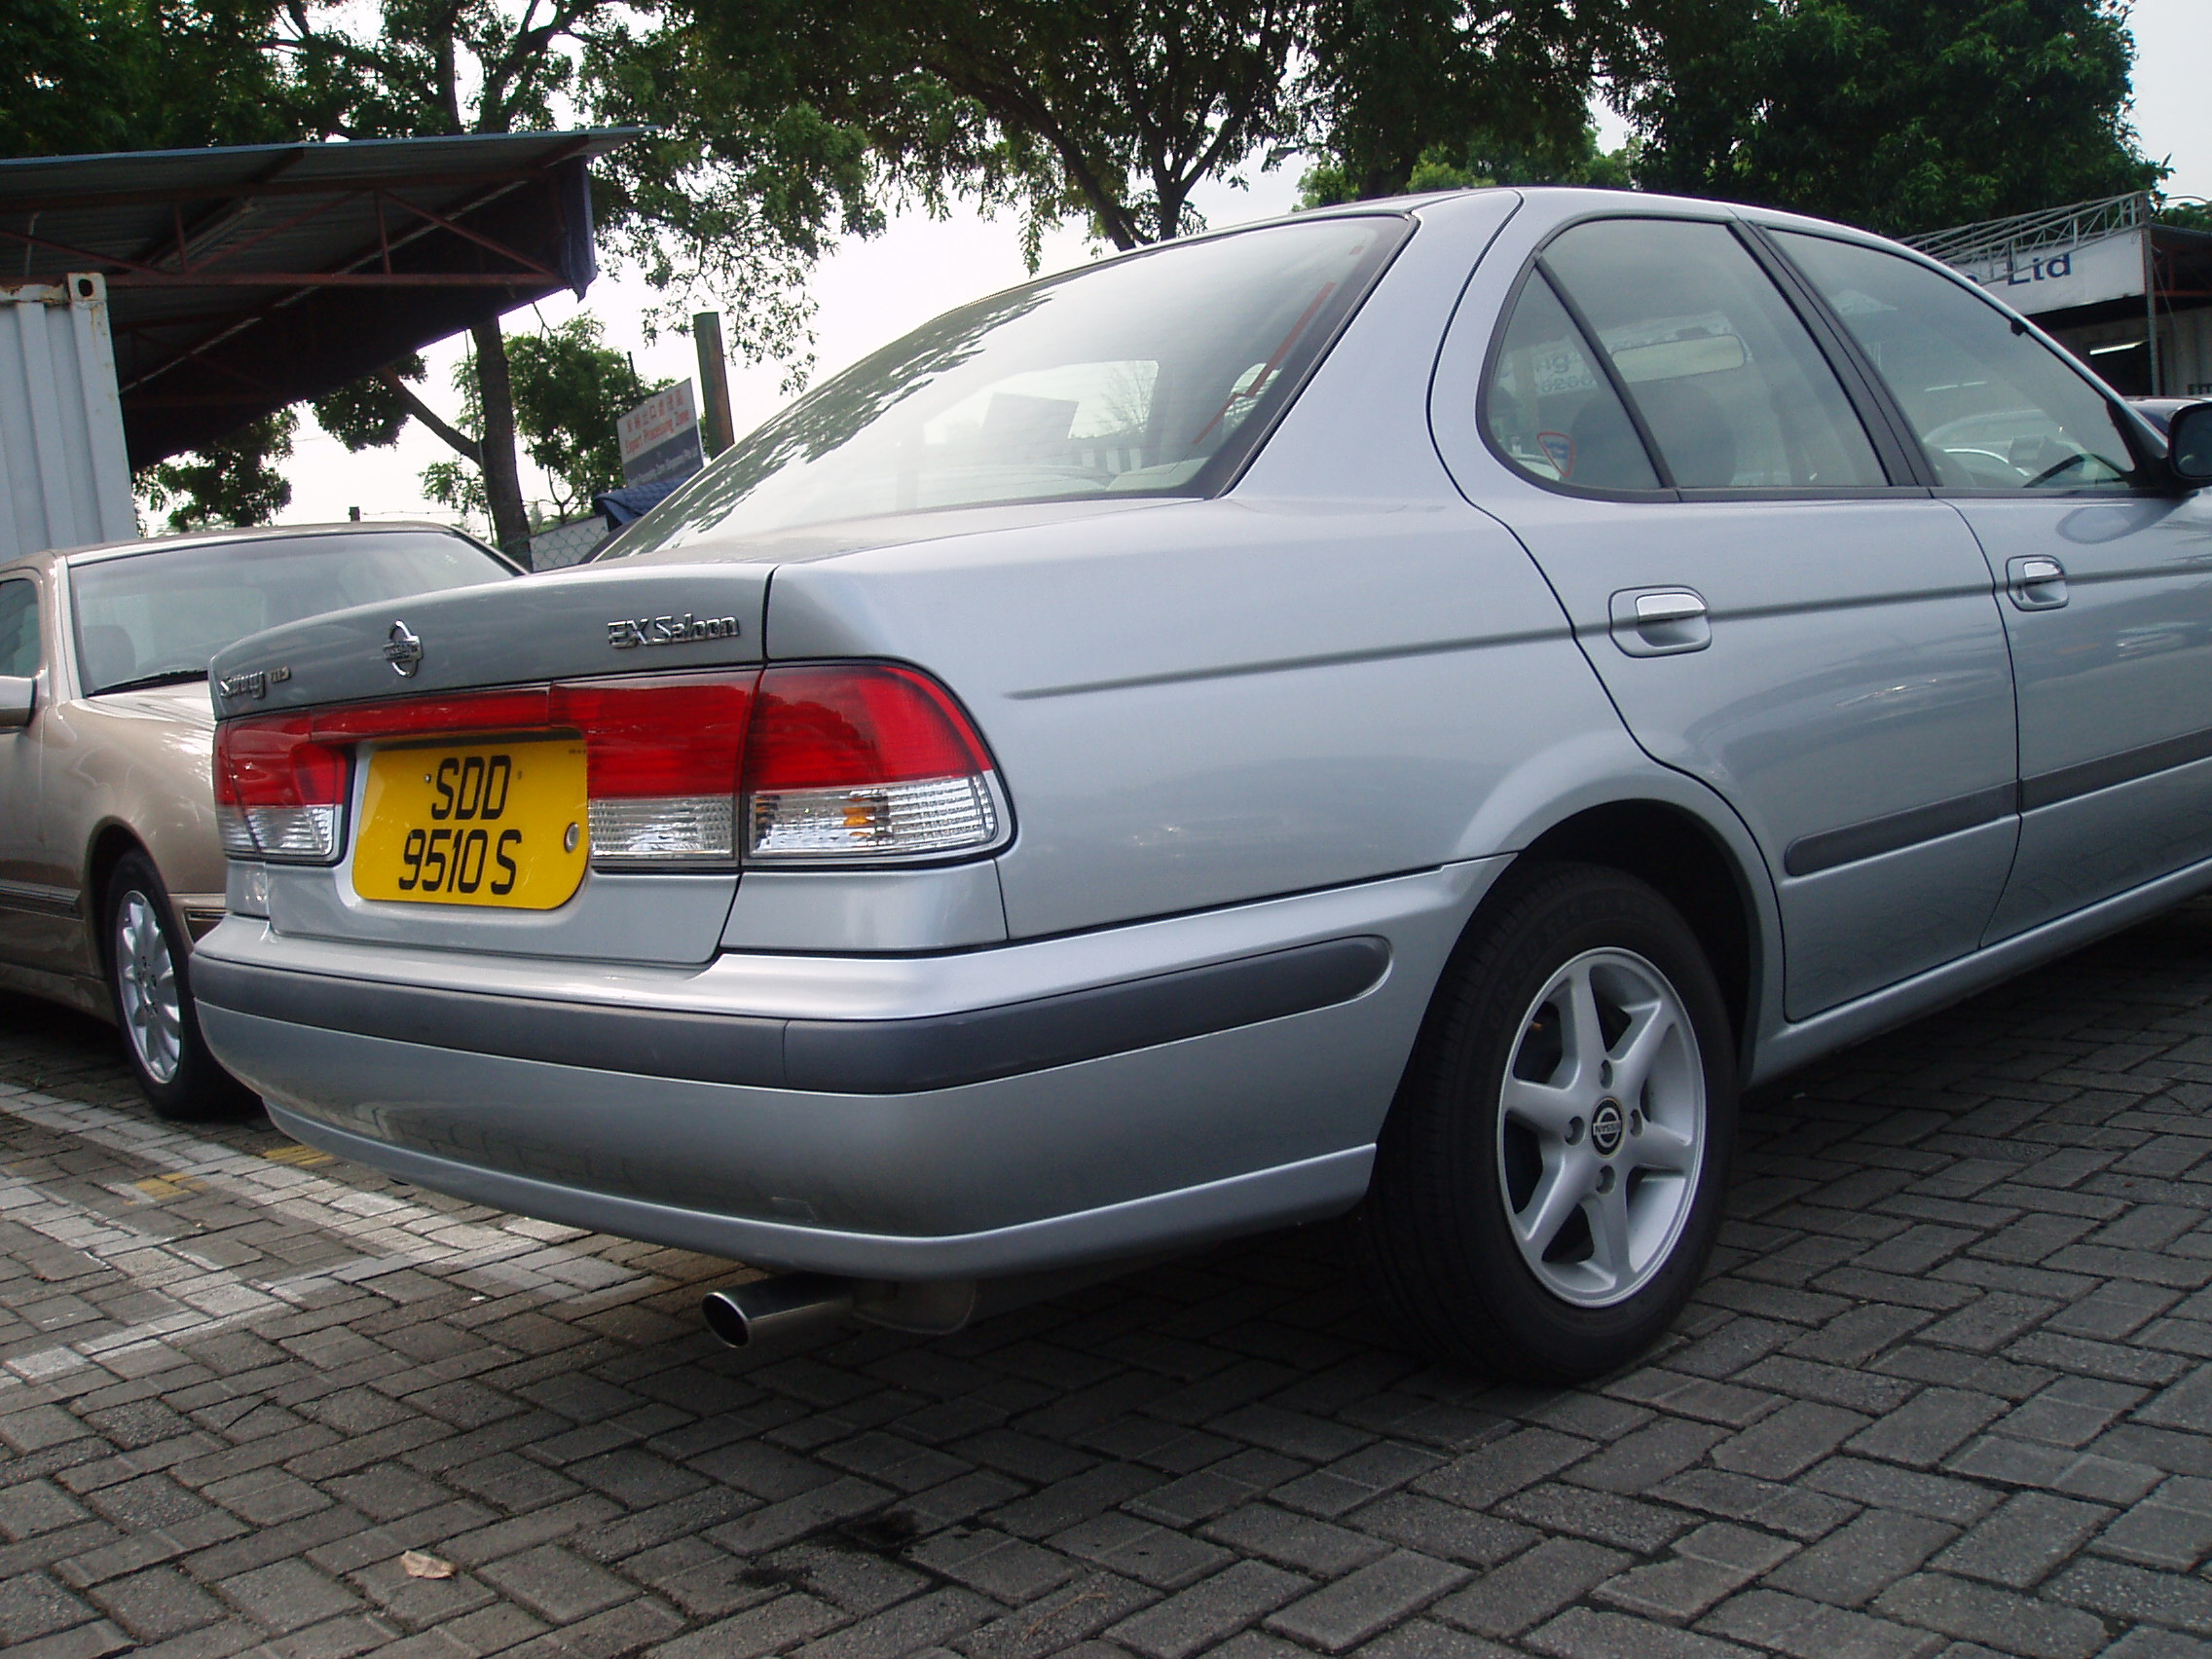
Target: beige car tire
point(149, 982)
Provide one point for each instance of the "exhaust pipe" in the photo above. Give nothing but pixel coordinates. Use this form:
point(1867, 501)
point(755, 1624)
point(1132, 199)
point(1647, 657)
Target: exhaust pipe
point(772, 1309)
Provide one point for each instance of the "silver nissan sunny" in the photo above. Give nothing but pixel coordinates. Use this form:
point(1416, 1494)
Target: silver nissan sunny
point(1402, 710)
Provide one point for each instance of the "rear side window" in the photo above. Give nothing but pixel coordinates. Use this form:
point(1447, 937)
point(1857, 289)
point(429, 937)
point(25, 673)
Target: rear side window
point(18, 629)
point(1723, 376)
point(1552, 412)
point(1994, 409)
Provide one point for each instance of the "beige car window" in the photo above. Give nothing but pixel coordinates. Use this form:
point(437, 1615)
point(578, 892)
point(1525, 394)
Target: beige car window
point(18, 629)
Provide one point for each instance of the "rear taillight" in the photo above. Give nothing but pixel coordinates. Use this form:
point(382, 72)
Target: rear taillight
point(278, 793)
point(850, 763)
point(863, 763)
point(663, 757)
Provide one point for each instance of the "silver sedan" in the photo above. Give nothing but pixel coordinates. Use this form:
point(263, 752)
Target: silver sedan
point(1404, 709)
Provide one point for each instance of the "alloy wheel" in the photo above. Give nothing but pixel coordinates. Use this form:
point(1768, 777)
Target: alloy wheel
point(146, 983)
point(1602, 1127)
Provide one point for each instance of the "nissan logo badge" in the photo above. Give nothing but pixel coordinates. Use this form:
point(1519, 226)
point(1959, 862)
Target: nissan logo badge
point(405, 652)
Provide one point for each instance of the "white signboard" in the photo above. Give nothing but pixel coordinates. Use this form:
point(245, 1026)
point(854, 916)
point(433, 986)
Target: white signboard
point(2111, 268)
point(660, 437)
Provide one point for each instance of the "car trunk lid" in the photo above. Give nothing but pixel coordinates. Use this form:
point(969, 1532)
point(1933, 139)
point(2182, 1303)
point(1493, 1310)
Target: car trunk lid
point(463, 774)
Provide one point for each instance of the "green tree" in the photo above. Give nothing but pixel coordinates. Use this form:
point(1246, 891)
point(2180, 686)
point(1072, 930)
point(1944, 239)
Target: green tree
point(79, 76)
point(1112, 110)
point(731, 195)
point(1899, 115)
point(1406, 95)
point(232, 481)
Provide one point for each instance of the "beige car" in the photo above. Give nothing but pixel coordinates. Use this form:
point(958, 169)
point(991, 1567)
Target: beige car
point(110, 860)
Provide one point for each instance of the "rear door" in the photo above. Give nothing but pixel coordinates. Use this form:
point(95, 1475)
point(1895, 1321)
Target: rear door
point(1772, 604)
point(2107, 576)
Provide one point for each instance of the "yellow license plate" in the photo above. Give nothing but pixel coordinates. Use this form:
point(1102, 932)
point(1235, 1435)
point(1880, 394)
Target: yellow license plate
point(499, 823)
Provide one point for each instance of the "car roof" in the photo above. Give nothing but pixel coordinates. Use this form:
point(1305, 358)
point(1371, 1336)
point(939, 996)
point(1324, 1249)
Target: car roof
point(100, 551)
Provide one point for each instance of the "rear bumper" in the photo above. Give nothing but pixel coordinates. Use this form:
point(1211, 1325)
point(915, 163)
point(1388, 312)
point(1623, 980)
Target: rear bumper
point(963, 1116)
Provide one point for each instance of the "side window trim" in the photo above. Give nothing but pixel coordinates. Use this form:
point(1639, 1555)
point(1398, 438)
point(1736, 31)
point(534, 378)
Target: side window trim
point(1896, 450)
point(1604, 358)
point(1923, 463)
point(1903, 456)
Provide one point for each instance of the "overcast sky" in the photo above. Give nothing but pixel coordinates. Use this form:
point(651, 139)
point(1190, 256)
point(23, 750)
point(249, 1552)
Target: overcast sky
point(870, 292)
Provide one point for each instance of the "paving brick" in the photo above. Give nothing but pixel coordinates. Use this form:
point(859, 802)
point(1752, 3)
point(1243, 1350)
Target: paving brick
point(1946, 1395)
point(1814, 1630)
point(287, 1595)
point(994, 1563)
point(1138, 1549)
point(906, 1628)
point(2172, 1528)
point(1790, 1442)
point(1857, 1562)
point(1582, 1633)
point(1711, 1562)
point(1995, 1619)
point(1365, 1603)
point(1061, 1619)
point(2130, 1592)
point(1926, 1428)
point(555, 1584)
point(1208, 1610)
point(2021, 1544)
point(1298, 1542)
point(1530, 1587)
point(777, 1624)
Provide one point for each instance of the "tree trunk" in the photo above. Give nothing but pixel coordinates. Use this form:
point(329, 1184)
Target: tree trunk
point(502, 481)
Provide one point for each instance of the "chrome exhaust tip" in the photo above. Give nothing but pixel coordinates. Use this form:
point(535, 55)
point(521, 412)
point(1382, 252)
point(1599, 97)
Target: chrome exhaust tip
point(772, 1309)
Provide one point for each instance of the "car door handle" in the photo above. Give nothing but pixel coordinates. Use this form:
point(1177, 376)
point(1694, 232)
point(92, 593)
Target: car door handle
point(2035, 582)
point(1660, 621)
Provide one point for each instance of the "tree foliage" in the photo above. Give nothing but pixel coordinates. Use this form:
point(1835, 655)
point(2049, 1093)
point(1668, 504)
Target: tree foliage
point(232, 481)
point(80, 76)
point(1112, 110)
point(1899, 115)
point(1496, 89)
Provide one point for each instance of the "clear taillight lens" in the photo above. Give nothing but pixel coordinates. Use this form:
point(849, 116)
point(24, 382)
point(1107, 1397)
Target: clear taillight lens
point(278, 793)
point(663, 757)
point(860, 763)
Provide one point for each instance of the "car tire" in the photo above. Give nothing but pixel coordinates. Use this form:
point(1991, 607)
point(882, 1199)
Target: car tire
point(149, 983)
point(1550, 1180)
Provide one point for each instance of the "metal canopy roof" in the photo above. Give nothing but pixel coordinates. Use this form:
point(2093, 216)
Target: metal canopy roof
point(243, 279)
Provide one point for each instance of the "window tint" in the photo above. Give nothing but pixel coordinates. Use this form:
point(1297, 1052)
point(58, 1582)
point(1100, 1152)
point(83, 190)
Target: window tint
point(1551, 411)
point(18, 629)
point(1994, 409)
point(1135, 376)
point(1730, 385)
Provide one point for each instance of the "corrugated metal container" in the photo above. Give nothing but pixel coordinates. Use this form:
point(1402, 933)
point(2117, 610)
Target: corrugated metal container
point(61, 453)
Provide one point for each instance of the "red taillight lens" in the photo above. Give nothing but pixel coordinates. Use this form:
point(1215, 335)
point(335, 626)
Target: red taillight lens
point(664, 757)
point(862, 761)
point(278, 793)
point(848, 762)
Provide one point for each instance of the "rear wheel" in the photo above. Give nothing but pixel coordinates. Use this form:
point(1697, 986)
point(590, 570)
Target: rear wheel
point(150, 988)
point(1550, 1180)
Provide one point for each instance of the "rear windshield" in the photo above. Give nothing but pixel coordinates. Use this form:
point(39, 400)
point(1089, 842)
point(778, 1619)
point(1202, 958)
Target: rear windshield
point(1145, 376)
point(156, 617)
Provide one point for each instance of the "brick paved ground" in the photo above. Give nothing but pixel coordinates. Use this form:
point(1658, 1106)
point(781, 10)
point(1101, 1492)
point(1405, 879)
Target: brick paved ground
point(1946, 1392)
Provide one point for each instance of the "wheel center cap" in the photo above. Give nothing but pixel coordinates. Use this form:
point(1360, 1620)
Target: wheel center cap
point(1606, 1126)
